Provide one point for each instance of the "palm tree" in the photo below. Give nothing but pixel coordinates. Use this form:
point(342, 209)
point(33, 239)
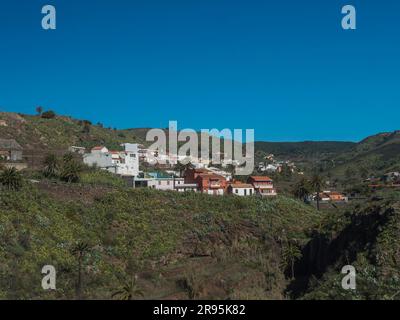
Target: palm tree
point(11, 179)
point(188, 166)
point(51, 166)
point(68, 157)
point(71, 169)
point(302, 189)
point(79, 251)
point(128, 290)
point(317, 184)
point(290, 254)
point(231, 169)
point(39, 110)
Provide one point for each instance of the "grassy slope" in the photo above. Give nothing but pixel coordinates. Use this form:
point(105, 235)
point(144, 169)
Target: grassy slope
point(227, 247)
point(378, 154)
point(32, 132)
point(62, 132)
point(367, 237)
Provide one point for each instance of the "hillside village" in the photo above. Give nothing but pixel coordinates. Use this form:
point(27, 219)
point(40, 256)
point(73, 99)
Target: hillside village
point(196, 175)
point(141, 167)
point(67, 185)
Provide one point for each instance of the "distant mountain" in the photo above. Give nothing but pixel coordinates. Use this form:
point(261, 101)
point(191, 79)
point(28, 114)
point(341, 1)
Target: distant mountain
point(375, 155)
point(307, 150)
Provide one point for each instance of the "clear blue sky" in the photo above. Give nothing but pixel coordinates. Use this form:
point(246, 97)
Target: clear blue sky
point(284, 68)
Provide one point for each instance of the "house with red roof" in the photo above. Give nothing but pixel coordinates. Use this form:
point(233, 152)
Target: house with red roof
point(263, 185)
point(240, 189)
point(207, 181)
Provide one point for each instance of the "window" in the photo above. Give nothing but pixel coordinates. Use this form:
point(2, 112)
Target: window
point(236, 190)
point(250, 191)
point(245, 192)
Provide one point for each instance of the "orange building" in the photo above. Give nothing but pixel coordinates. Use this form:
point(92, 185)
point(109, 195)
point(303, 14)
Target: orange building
point(263, 185)
point(207, 181)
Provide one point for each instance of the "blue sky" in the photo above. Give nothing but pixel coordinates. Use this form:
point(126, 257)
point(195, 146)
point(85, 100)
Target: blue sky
point(284, 68)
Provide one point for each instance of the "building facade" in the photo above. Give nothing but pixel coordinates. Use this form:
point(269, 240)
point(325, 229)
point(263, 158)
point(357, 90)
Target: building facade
point(262, 185)
point(10, 150)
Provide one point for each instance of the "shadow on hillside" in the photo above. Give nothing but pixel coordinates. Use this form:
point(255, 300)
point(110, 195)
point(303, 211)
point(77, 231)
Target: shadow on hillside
point(336, 251)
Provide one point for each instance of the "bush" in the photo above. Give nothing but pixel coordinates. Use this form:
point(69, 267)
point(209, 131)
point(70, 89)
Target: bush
point(48, 114)
point(11, 179)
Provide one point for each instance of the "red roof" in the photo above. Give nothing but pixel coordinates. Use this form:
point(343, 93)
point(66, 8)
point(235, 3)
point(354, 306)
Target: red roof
point(211, 176)
point(98, 148)
point(261, 178)
point(203, 171)
point(241, 185)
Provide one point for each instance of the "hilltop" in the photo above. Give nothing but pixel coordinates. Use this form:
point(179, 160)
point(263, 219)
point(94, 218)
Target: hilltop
point(34, 132)
point(373, 156)
point(303, 151)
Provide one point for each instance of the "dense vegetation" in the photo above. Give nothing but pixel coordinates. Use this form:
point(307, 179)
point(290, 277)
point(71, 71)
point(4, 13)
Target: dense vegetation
point(109, 241)
point(177, 245)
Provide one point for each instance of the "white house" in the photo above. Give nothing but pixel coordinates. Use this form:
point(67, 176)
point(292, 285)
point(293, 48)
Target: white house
point(101, 158)
point(128, 163)
point(241, 189)
point(181, 186)
point(125, 163)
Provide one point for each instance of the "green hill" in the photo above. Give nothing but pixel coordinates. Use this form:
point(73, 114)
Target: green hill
point(304, 150)
point(187, 245)
point(36, 133)
point(366, 238)
point(374, 155)
point(179, 245)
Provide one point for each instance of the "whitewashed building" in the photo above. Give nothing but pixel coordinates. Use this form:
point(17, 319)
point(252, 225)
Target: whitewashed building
point(125, 163)
point(241, 189)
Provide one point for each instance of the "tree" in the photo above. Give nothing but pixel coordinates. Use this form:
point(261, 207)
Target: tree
point(86, 126)
point(71, 169)
point(231, 169)
point(188, 166)
point(51, 166)
point(290, 254)
point(48, 114)
point(180, 167)
point(128, 290)
point(302, 190)
point(317, 184)
point(39, 110)
point(79, 251)
point(11, 179)
point(68, 157)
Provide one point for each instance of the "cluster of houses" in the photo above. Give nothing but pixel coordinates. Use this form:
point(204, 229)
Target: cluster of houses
point(272, 165)
point(204, 181)
point(124, 163)
point(388, 180)
point(198, 178)
point(329, 196)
